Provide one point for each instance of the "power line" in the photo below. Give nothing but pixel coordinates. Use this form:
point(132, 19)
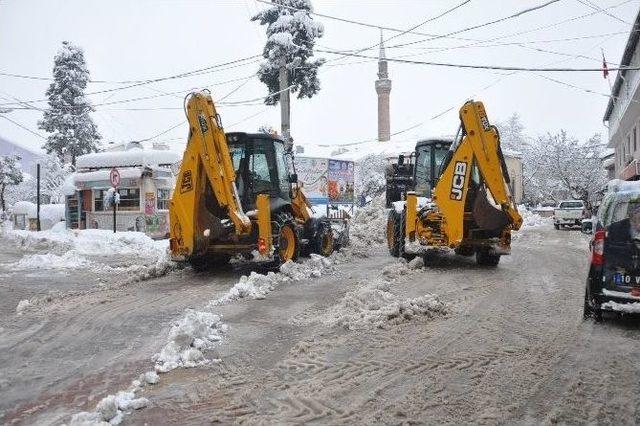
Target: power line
point(234, 63)
point(163, 132)
point(359, 23)
point(201, 71)
point(446, 12)
point(486, 67)
point(544, 27)
point(485, 24)
point(22, 127)
point(593, 6)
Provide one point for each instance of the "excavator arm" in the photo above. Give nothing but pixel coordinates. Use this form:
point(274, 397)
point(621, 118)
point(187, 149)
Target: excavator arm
point(206, 160)
point(479, 147)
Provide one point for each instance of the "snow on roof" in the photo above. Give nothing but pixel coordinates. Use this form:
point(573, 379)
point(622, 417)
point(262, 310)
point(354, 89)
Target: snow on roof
point(131, 157)
point(100, 175)
point(24, 207)
point(607, 152)
point(51, 212)
point(511, 153)
point(608, 162)
point(618, 185)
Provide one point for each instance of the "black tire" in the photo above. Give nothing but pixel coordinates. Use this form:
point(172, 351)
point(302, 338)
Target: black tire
point(395, 233)
point(209, 262)
point(466, 251)
point(485, 258)
point(591, 308)
point(555, 225)
point(284, 234)
point(323, 242)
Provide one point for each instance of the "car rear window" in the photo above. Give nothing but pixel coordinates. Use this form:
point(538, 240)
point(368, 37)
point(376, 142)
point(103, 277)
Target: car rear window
point(622, 210)
point(571, 205)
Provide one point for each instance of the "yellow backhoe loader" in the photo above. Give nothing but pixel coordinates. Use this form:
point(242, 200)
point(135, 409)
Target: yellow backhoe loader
point(460, 198)
point(237, 193)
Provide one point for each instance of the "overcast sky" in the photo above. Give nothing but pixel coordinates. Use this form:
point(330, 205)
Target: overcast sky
point(146, 39)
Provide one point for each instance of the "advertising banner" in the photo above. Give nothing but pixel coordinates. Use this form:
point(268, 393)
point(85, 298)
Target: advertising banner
point(312, 175)
point(149, 203)
point(340, 179)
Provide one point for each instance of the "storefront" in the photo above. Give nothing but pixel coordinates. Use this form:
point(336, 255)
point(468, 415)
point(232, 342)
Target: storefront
point(145, 192)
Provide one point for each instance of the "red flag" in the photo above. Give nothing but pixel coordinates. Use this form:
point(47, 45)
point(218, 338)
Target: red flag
point(605, 68)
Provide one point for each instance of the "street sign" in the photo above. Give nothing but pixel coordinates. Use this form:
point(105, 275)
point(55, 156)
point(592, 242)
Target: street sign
point(114, 177)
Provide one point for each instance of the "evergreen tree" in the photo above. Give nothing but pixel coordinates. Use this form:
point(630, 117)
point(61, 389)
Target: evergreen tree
point(10, 174)
point(291, 34)
point(71, 130)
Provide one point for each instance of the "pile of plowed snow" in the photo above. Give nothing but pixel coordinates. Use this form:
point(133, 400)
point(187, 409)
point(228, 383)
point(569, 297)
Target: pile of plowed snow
point(257, 286)
point(188, 338)
point(68, 260)
point(98, 242)
point(531, 219)
point(368, 227)
point(375, 305)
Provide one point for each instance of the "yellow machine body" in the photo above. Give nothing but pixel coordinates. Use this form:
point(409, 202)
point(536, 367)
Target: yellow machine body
point(451, 219)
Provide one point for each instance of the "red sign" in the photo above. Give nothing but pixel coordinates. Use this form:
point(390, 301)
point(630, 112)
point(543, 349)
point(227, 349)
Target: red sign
point(114, 177)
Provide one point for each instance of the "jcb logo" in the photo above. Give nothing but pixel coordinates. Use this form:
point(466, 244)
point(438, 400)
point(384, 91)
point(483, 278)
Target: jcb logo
point(457, 184)
point(186, 184)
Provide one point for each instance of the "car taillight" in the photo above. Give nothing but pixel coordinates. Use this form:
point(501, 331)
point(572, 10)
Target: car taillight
point(584, 213)
point(597, 248)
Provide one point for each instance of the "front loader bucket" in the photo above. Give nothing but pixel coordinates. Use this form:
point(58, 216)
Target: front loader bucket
point(486, 215)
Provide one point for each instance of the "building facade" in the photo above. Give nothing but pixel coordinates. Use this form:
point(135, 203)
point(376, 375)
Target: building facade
point(623, 111)
point(383, 89)
point(146, 183)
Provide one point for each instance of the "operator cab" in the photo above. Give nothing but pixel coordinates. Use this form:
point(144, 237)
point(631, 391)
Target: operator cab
point(261, 168)
point(430, 155)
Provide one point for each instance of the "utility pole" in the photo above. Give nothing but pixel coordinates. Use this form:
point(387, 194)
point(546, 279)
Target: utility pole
point(38, 196)
point(285, 111)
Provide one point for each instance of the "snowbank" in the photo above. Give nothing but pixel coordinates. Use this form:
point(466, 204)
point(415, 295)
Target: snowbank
point(69, 260)
point(98, 242)
point(257, 286)
point(368, 227)
point(531, 219)
point(24, 207)
point(110, 410)
point(188, 337)
point(374, 305)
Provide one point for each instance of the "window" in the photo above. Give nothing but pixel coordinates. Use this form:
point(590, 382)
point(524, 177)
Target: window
point(129, 199)
point(571, 205)
point(98, 199)
point(163, 197)
point(283, 175)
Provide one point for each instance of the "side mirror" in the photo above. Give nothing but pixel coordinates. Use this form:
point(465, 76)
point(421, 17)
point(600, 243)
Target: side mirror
point(293, 178)
point(401, 160)
point(587, 227)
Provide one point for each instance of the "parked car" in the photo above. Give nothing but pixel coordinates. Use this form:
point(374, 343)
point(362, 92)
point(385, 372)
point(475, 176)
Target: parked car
point(569, 213)
point(613, 282)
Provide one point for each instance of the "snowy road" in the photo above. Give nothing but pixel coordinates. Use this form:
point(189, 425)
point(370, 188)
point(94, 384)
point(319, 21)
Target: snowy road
point(512, 347)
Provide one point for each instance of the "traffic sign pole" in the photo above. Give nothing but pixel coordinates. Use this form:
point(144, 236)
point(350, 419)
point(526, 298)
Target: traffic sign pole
point(114, 178)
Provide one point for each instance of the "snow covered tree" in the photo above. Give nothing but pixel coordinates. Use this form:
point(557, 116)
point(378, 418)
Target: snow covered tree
point(291, 34)
point(370, 178)
point(512, 135)
point(71, 130)
point(560, 166)
point(10, 175)
point(54, 173)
